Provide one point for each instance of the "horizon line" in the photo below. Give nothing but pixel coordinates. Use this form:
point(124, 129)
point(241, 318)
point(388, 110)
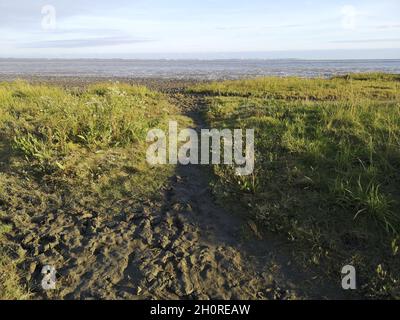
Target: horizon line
point(202, 59)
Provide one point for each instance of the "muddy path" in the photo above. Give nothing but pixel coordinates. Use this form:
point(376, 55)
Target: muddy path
point(184, 246)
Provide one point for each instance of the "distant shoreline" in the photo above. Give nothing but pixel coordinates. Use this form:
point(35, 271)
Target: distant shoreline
point(188, 70)
point(194, 59)
point(154, 83)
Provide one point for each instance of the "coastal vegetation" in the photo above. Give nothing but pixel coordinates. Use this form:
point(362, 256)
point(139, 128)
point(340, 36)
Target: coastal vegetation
point(74, 152)
point(326, 175)
point(327, 168)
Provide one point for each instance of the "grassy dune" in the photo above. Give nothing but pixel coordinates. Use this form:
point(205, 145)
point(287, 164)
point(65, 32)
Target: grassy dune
point(71, 151)
point(327, 168)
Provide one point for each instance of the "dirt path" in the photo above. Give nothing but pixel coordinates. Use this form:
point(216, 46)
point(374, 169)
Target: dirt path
point(184, 246)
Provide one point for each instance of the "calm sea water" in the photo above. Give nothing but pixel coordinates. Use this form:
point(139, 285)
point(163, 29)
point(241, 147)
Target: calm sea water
point(190, 69)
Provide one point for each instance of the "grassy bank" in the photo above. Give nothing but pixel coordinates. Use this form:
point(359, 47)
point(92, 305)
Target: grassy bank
point(74, 152)
point(327, 168)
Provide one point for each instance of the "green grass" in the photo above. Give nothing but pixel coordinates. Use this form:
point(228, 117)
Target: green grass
point(327, 168)
point(326, 176)
point(73, 151)
point(351, 88)
point(10, 282)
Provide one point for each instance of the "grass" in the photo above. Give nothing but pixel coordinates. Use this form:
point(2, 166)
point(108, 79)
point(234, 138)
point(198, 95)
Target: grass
point(72, 151)
point(326, 174)
point(327, 168)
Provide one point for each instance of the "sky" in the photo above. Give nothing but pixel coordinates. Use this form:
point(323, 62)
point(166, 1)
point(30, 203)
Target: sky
point(319, 29)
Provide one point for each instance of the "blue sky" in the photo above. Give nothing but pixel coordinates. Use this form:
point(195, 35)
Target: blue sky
point(200, 29)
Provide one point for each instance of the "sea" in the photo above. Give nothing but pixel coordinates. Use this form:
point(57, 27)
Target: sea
point(190, 69)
